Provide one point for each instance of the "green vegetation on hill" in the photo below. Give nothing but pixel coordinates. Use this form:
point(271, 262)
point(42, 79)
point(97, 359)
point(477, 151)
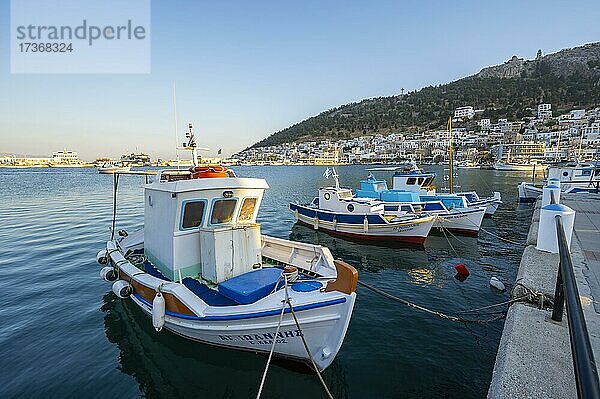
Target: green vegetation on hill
point(568, 79)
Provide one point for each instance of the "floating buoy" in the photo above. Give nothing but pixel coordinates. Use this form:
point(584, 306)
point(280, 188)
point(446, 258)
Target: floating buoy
point(462, 269)
point(108, 273)
point(122, 289)
point(101, 257)
point(158, 312)
point(494, 282)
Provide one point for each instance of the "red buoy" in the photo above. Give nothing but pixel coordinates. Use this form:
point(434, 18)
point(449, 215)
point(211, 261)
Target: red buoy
point(462, 269)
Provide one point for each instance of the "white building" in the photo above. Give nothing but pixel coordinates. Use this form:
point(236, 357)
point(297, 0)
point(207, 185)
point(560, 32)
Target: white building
point(464, 112)
point(544, 111)
point(64, 156)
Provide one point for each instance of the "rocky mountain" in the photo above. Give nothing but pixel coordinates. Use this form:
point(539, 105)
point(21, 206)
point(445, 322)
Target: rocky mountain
point(567, 79)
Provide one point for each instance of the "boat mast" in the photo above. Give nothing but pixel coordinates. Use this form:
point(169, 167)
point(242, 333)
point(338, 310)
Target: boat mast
point(450, 168)
point(175, 120)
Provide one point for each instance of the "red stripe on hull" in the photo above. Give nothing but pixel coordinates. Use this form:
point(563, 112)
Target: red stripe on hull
point(405, 239)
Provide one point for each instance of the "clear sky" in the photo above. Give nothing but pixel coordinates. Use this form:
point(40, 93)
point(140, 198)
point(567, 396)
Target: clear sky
point(246, 69)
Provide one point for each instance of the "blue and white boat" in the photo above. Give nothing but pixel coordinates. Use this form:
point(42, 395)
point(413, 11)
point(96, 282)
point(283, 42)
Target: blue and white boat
point(201, 268)
point(452, 211)
point(415, 180)
point(572, 177)
point(338, 212)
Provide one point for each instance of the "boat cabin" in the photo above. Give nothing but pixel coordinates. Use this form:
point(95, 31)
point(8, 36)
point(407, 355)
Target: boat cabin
point(414, 180)
point(575, 172)
point(341, 200)
point(378, 189)
point(202, 227)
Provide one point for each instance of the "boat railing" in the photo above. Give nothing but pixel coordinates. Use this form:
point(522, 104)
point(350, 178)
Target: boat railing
point(586, 373)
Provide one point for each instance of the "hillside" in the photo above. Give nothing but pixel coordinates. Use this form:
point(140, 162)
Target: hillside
point(567, 79)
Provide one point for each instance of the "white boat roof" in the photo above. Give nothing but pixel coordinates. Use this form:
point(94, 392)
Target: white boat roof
point(180, 186)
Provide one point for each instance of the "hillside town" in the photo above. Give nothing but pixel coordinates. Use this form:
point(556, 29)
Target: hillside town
point(478, 141)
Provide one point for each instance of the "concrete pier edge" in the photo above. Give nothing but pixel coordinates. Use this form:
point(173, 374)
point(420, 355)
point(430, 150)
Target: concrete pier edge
point(534, 356)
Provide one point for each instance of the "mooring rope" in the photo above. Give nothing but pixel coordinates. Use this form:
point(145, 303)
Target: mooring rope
point(264, 376)
point(424, 309)
point(329, 395)
point(287, 301)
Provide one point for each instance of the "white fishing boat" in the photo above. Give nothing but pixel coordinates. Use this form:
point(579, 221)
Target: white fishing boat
point(337, 212)
point(113, 167)
point(572, 177)
point(523, 166)
point(201, 269)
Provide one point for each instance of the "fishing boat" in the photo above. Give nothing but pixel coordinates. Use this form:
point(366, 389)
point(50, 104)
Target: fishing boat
point(201, 268)
point(452, 211)
point(113, 167)
point(572, 177)
point(523, 166)
point(338, 212)
point(413, 179)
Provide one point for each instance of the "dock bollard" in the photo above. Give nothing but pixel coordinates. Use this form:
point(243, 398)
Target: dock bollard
point(547, 193)
point(547, 240)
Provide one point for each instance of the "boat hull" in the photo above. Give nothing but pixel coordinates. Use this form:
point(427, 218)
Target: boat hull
point(414, 231)
point(467, 222)
point(529, 192)
point(323, 329)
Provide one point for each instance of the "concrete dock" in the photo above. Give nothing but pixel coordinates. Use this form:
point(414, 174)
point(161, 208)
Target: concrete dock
point(534, 357)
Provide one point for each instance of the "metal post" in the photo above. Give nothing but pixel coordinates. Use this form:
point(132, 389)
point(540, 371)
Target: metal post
point(586, 373)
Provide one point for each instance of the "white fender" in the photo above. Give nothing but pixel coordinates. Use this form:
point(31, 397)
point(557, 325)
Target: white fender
point(316, 223)
point(158, 312)
point(101, 257)
point(296, 215)
point(108, 273)
point(366, 225)
point(335, 223)
point(122, 289)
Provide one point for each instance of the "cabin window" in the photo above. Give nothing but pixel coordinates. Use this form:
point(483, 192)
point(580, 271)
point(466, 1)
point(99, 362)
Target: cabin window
point(420, 180)
point(380, 187)
point(350, 208)
point(222, 211)
point(586, 172)
point(410, 181)
point(565, 174)
point(428, 181)
point(247, 210)
point(345, 194)
point(193, 212)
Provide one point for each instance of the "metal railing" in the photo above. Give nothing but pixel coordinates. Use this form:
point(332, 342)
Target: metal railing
point(586, 373)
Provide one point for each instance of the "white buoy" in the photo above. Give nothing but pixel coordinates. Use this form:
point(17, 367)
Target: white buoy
point(494, 282)
point(108, 273)
point(158, 312)
point(547, 240)
point(548, 191)
point(122, 289)
point(101, 257)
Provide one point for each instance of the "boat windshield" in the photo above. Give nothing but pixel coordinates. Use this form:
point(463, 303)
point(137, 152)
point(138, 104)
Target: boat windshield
point(345, 194)
point(222, 211)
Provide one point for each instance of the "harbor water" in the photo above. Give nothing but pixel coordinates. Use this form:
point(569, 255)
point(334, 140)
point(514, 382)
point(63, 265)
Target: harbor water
point(63, 333)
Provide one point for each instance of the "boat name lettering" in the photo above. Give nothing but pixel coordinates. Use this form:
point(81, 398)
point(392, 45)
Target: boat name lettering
point(262, 339)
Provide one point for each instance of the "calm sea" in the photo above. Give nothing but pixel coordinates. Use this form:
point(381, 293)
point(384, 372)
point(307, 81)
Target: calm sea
point(64, 334)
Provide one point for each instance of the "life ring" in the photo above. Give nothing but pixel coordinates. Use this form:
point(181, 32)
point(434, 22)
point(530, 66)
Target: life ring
point(202, 172)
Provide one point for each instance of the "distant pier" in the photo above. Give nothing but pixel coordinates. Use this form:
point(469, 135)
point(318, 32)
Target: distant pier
point(534, 358)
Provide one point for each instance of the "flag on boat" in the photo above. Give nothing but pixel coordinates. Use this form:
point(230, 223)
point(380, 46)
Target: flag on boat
point(327, 173)
point(219, 152)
